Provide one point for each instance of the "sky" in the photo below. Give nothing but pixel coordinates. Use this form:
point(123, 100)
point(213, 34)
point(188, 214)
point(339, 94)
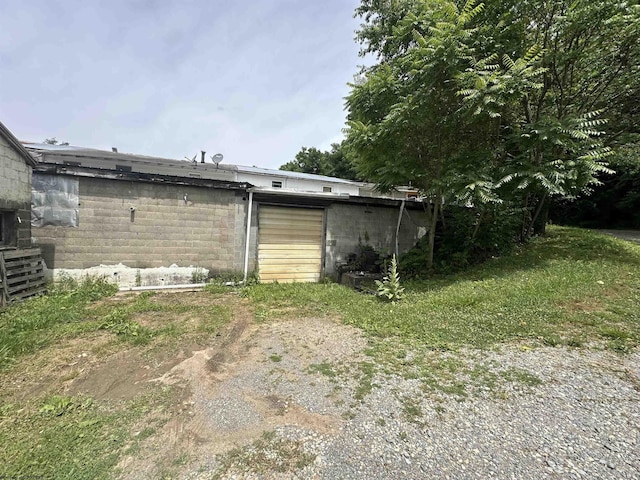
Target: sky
point(255, 80)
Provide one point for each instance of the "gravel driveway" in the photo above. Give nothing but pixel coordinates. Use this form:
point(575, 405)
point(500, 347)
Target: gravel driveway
point(526, 413)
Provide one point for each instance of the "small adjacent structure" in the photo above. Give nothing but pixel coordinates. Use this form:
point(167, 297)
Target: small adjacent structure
point(20, 266)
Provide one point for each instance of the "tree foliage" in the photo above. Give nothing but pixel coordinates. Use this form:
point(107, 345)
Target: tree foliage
point(332, 163)
point(613, 204)
point(502, 102)
point(54, 141)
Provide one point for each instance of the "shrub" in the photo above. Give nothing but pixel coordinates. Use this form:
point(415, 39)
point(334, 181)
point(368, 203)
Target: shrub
point(467, 236)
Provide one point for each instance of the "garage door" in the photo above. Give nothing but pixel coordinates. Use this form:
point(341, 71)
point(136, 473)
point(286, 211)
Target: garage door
point(289, 244)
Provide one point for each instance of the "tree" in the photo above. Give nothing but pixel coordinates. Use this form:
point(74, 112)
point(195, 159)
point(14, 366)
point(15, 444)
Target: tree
point(498, 102)
point(406, 122)
point(54, 141)
point(308, 160)
point(613, 204)
point(554, 136)
point(331, 163)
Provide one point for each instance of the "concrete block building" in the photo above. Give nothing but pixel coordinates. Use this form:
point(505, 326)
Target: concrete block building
point(94, 208)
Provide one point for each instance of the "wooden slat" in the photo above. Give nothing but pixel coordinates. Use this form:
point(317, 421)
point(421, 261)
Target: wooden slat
point(4, 297)
point(26, 287)
point(28, 293)
point(13, 280)
point(19, 271)
point(12, 254)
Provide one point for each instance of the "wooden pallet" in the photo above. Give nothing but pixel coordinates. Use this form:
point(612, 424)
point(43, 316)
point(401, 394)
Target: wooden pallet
point(21, 275)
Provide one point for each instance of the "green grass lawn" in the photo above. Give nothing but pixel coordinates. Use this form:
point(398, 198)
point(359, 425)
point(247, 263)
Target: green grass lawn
point(572, 287)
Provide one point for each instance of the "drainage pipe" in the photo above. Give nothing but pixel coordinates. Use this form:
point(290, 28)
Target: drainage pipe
point(183, 286)
point(247, 239)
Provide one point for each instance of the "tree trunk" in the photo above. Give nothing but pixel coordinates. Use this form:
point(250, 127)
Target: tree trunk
point(536, 215)
point(477, 226)
point(540, 226)
point(432, 230)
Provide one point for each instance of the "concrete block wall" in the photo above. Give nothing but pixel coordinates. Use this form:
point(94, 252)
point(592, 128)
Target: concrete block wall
point(144, 225)
point(15, 193)
point(349, 225)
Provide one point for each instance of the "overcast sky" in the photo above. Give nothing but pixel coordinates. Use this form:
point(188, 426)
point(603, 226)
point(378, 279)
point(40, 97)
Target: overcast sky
point(254, 80)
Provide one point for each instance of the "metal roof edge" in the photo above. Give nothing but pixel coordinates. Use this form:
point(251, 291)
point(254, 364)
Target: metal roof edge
point(298, 193)
point(94, 172)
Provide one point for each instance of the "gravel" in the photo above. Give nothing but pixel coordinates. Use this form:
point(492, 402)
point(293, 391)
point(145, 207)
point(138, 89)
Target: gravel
point(582, 420)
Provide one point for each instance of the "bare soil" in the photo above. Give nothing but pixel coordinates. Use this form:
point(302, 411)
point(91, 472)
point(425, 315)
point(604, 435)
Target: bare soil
point(254, 380)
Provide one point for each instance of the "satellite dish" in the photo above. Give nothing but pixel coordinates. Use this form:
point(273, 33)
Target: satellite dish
point(217, 158)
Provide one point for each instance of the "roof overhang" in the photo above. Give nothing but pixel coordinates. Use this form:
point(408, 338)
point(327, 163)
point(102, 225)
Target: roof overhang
point(89, 172)
point(284, 196)
point(15, 143)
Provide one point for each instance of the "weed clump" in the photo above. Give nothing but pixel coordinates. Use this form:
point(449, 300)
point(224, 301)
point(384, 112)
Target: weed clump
point(389, 288)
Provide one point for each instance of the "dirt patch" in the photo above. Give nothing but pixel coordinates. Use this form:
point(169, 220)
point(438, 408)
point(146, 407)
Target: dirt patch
point(124, 375)
point(255, 379)
point(588, 306)
point(53, 368)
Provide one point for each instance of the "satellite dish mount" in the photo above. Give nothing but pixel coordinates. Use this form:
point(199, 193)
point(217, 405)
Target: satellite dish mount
point(217, 158)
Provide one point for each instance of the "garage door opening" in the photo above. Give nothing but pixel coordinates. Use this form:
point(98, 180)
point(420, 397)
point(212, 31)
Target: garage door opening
point(290, 244)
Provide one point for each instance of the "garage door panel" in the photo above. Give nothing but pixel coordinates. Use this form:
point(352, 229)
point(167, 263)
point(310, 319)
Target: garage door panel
point(303, 213)
point(290, 244)
point(298, 259)
point(290, 269)
point(298, 277)
point(298, 247)
point(292, 227)
point(290, 221)
point(290, 239)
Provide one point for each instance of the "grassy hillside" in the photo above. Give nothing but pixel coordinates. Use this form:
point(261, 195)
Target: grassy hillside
point(572, 287)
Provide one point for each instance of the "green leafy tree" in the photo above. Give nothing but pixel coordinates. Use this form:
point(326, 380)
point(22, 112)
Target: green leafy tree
point(407, 124)
point(613, 204)
point(504, 101)
point(579, 66)
point(331, 163)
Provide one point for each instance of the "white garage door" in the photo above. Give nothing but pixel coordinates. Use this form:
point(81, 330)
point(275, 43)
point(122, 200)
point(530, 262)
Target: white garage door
point(290, 244)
